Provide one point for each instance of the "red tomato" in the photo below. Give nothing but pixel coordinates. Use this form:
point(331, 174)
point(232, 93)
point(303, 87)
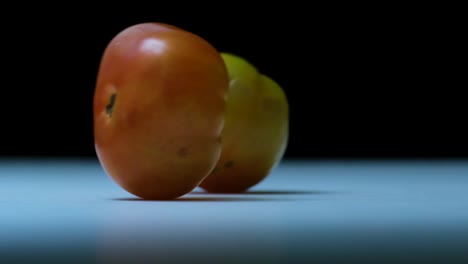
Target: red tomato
point(159, 110)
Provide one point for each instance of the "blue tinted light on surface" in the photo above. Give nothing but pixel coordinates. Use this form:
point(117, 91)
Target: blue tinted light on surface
point(56, 210)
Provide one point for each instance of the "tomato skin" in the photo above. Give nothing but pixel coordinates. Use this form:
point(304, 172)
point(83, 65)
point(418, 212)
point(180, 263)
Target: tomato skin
point(159, 108)
point(256, 129)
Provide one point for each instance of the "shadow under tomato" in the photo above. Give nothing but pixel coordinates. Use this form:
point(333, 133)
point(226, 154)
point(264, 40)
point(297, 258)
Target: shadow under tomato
point(200, 199)
point(270, 192)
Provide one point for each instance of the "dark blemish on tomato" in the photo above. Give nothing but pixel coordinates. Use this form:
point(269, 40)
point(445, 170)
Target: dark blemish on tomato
point(110, 105)
point(182, 152)
point(228, 164)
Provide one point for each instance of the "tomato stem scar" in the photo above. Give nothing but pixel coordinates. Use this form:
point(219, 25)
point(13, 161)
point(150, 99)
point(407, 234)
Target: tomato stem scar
point(110, 105)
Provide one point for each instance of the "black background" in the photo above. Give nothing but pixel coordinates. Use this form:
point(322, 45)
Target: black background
point(361, 81)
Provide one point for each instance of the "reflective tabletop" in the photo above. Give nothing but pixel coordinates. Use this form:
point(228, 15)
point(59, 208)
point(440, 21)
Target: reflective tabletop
point(310, 211)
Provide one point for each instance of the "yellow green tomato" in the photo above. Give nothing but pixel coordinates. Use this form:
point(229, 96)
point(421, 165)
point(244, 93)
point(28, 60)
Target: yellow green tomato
point(256, 129)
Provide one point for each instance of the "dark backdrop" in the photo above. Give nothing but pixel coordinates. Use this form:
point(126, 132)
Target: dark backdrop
point(361, 82)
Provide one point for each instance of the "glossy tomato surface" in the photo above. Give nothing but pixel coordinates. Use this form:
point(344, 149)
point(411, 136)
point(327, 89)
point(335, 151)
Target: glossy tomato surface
point(159, 110)
point(256, 130)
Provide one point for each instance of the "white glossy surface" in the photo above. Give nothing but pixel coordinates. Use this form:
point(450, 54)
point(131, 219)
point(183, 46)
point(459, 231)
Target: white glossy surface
point(359, 212)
